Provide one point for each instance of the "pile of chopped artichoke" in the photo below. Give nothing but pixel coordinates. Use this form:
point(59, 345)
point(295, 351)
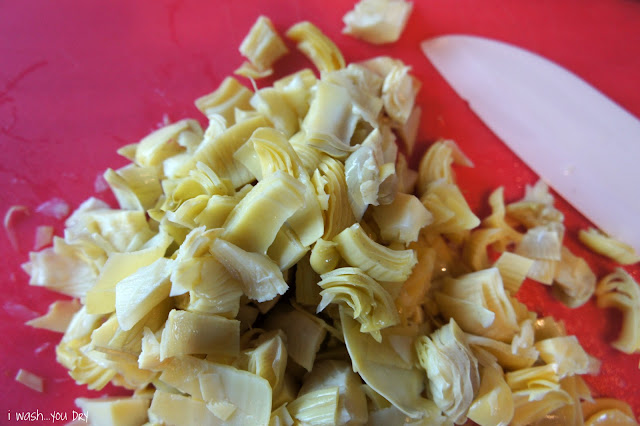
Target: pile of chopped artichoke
point(285, 266)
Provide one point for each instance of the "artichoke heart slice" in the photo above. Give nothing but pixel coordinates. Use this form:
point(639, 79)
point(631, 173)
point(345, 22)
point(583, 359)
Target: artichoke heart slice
point(259, 276)
point(378, 261)
point(255, 221)
point(324, 54)
point(371, 304)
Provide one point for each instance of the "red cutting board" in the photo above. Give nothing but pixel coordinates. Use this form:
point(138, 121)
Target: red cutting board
point(78, 79)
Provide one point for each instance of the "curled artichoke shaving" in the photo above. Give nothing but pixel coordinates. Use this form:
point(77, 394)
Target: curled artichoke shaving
point(603, 411)
point(276, 153)
point(412, 294)
point(377, 21)
point(249, 227)
point(316, 46)
point(402, 219)
point(262, 45)
point(371, 304)
point(619, 290)
point(607, 246)
point(259, 276)
point(450, 210)
point(498, 220)
point(574, 282)
point(509, 356)
point(475, 250)
point(379, 262)
point(269, 360)
point(485, 291)
point(436, 164)
point(200, 181)
point(286, 249)
point(452, 370)
point(330, 122)
point(331, 187)
point(228, 97)
point(318, 407)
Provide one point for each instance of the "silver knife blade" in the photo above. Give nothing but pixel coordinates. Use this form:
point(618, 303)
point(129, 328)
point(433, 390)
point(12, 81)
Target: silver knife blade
point(576, 139)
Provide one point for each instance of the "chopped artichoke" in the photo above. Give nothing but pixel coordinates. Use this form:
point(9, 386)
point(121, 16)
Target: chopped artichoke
point(608, 246)
point(115, 411)
point(377, 21)
point(262, 45)
point(58, 317)
point(324, 54)
point(574, 282)
point(225, 99)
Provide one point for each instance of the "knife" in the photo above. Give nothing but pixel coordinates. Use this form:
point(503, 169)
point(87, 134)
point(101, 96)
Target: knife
point(575, 138)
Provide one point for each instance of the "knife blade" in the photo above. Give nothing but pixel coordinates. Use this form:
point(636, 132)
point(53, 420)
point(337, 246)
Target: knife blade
point(580, 142)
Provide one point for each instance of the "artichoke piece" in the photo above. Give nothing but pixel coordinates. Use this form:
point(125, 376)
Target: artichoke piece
point(451, 368)
point(272, 103)
point(296, 88)
point(493, 404)
point(135, 188)
point(316, 46)
point(319, 407)
point(371, 304)
point(58, 316)
point(248, 227)
point(436, 163)
point(450, 210)
point(377, 21)
point(619, 290)
point(120, 411)
point(304, 332)
point(217, 152)
point(475, 250)
point(541, 242)
point(402, 220)
point(225, 99)
point(574, 282)
point(497, 220)
point(608, 246)
point(286, 250)
point(262, 45)
point(376, 362)
point(181, 373)
point(307, 289)
point(567, 353)
point(324, 256)
point(483, 289)
point(366, 169)
point(365, 88)
point(352, 403)
point(511, 357)
point(412, 294)
point(379, 262)
point(101, 298)
point(141, 291)
point(331, 186)
point(269, 361)
point(176, 409)
point(281, 417)
point(536, 393)
point(407, 177)
point(605, 411)
point(276, 153)
point(399, 92)
point(513, 270)
point(259, 276)
point(330, 122)
point(153, 149)
point(309, 156)
point(236, 397)
point(216, 211)
point(188, 333)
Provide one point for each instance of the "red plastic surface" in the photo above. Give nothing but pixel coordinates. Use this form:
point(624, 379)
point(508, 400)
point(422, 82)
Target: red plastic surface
point(81, 78)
